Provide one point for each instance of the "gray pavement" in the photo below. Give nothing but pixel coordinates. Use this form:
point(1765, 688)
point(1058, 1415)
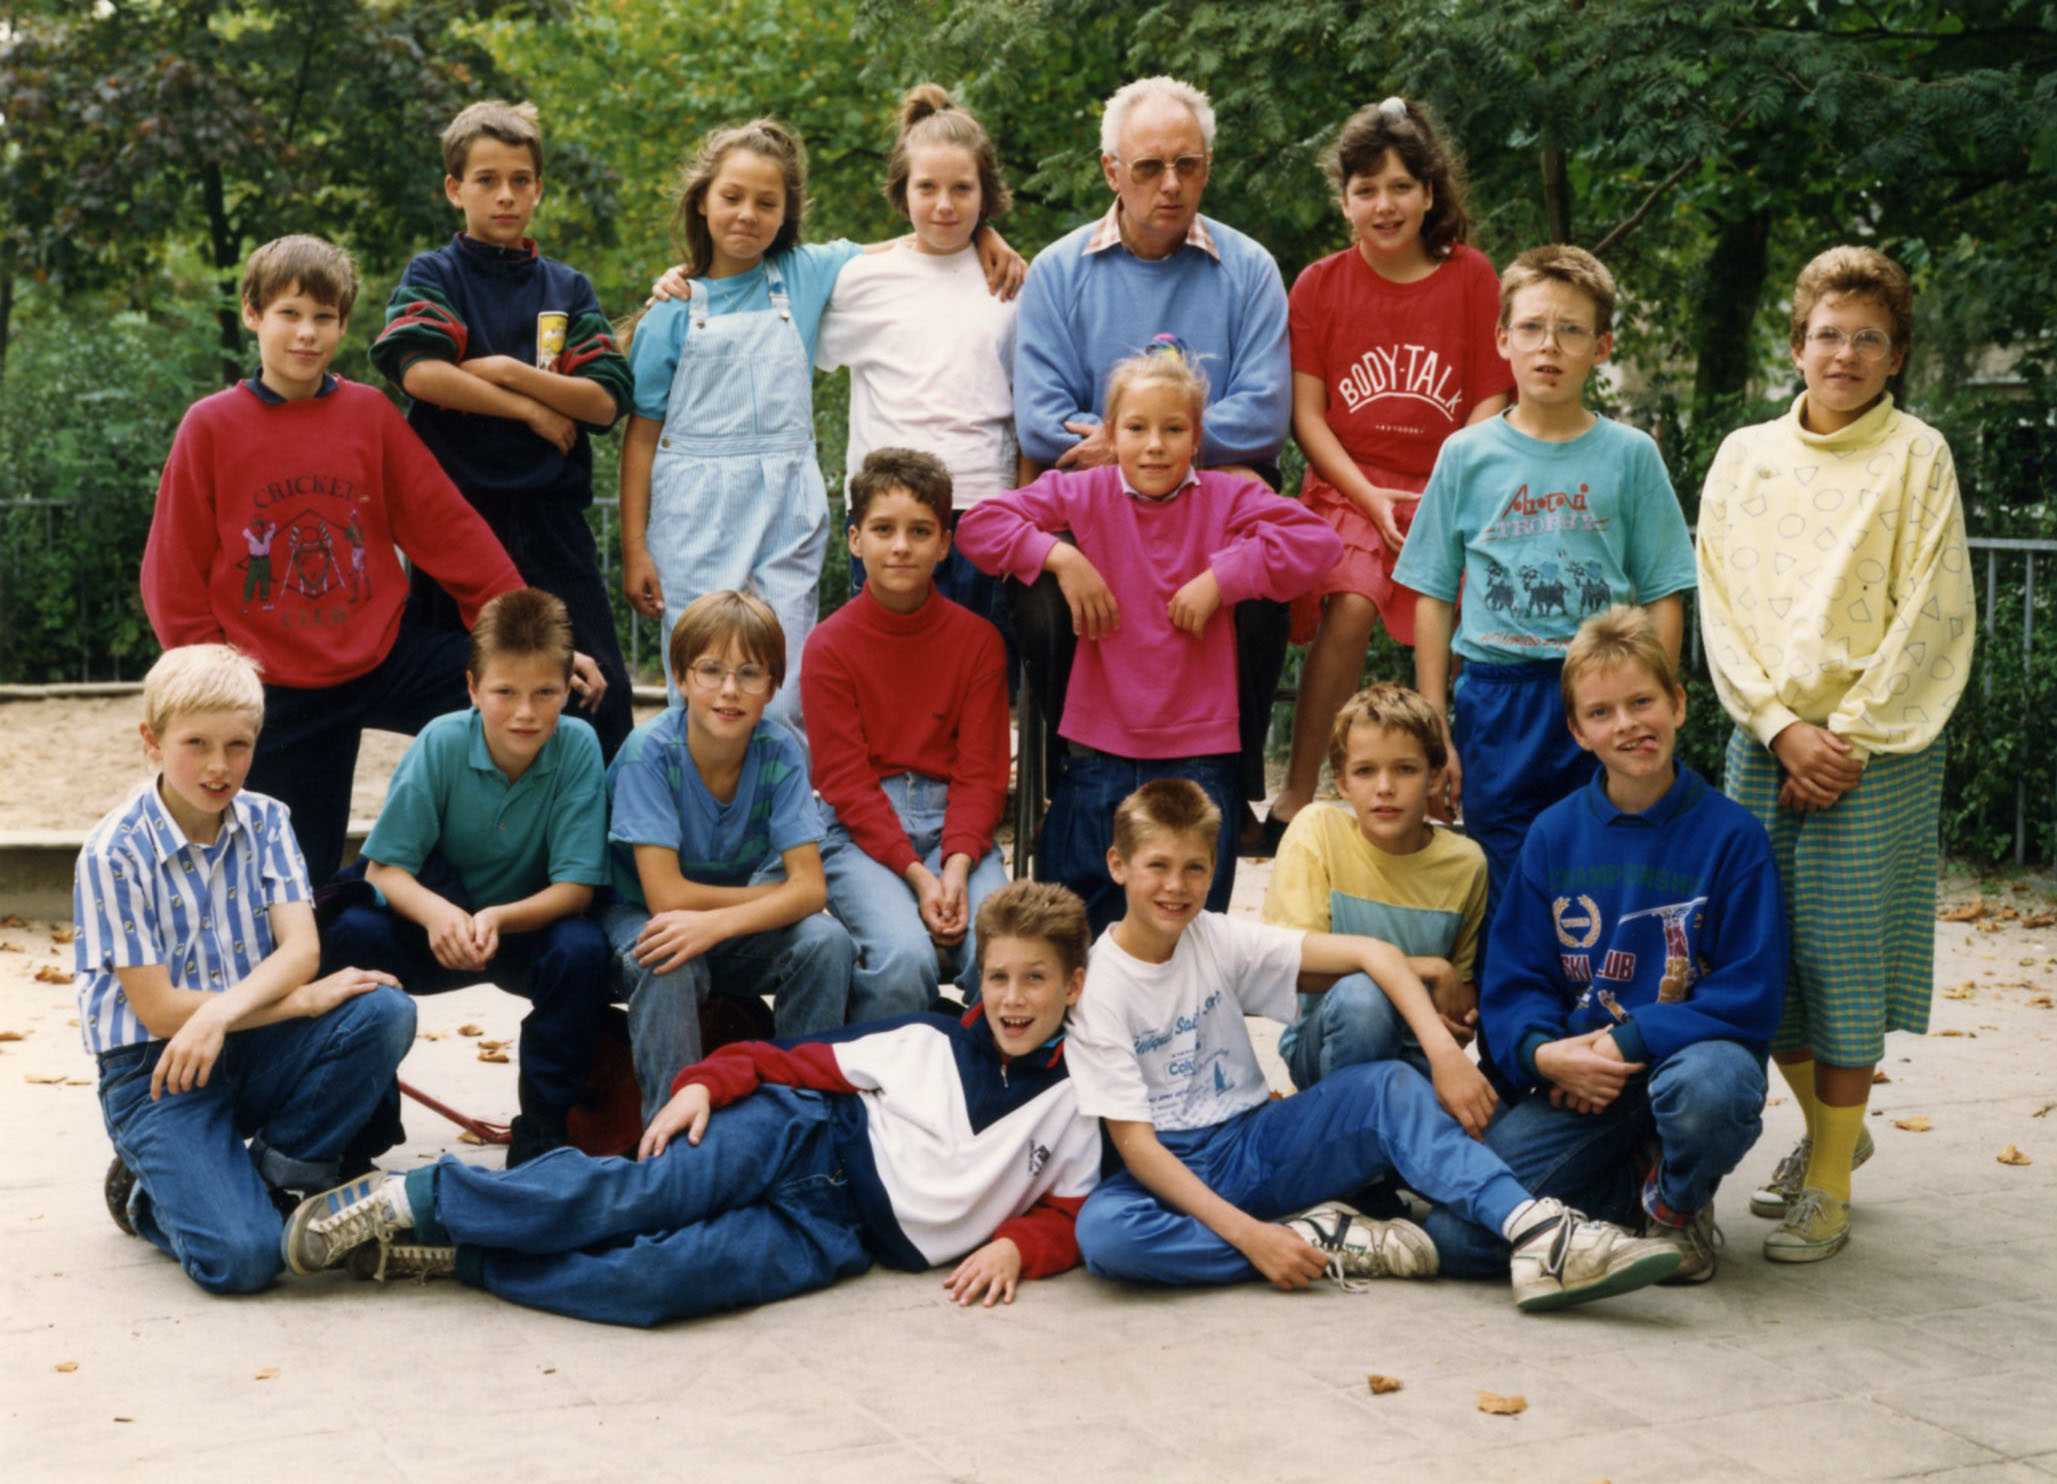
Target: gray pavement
point(1924, 1350)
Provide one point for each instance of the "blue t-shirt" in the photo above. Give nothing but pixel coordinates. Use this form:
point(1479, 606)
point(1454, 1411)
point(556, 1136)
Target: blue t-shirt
point(1544, 534)
point(658, 799)
point(504, 840)
point(810, 271)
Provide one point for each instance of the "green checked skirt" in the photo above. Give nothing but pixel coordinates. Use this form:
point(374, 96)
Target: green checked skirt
point(1859, 882)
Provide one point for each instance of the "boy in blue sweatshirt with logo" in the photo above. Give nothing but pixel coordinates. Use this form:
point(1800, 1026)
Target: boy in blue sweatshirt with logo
point(511, 367)
point(1637, 968)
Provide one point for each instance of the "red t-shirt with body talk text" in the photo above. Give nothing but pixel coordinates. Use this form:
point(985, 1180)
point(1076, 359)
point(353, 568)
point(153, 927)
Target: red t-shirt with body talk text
point(1404, 363)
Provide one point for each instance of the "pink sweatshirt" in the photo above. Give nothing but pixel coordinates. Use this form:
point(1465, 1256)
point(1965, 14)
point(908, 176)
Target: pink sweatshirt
point(1148, 689)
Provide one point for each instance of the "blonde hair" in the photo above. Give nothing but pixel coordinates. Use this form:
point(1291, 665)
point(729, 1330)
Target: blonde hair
point(1041, 911)
point(1559, 262)
point(1862, 271)
point(1174, 806)
point(930, 116)
point(517, 124)
point(1393, 708)
point(524, 622)
point(712, 620)
point(1621, 635)
point(320, 269)
point(1167, 361)
point(201, 677)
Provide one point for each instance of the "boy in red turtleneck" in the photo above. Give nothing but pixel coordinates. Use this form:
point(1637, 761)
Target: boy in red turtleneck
point(905, 695)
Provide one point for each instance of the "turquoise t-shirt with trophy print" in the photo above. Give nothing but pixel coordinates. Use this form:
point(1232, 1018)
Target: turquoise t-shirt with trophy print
point(1542, 535)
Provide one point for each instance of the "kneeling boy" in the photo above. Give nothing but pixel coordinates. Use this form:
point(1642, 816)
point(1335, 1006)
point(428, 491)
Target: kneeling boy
point(196, 954)
point(1375, 867)
point(1217, 1173)
point(914, 1141)
point(1642, 934)
point(905, 696)
point(491, 841)
point(715, 851)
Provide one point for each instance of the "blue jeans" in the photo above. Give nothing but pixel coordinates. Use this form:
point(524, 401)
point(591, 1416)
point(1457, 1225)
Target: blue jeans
point(1704, 1107)
point(561, 969)
point(315, 1099)
point(1282, 1156)
point(759, 1210)
point(1072, 849)
point(804, 967)
point(1519, 759)
point(898, 965)
point(1353, 1023)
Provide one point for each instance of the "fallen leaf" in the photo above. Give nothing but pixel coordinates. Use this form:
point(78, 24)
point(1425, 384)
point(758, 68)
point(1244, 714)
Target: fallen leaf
point(468, 1029)
point(48, 1079)
point(2042, 1110)
point(495, 1056)
point(124, 1419)
point(1380, 1385)
point(268, 1373)
point(432, 1035)
point(1989, 926)
point(1918, 1124)
point(2040, 920)
point(1970, 911)
point(13, 1035)
point(494, 1045)
point(2040, 1001)
point(549, 1370)
point(1773, 1102)
point(51, 974)
point(1878, 1076)
point(2012, 1156)
point(1958, 992)
point(63, 935)
point(78, 1082)
point(10, 920)
point(10, 946)
point(468, 1137)
point(66, 1366)
point(1496, 1405)
point(1966, 1034)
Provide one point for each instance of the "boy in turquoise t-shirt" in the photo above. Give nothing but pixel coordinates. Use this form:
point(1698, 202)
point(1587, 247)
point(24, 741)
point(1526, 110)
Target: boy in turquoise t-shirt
point(1542, 516)
point(486, 855)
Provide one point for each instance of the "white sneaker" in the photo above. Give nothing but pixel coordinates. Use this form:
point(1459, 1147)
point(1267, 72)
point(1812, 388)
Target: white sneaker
point(1699, 1243)
point(324, 1228)
point(1562, 1257)
point(1359, 1248)
point(1772, 1198)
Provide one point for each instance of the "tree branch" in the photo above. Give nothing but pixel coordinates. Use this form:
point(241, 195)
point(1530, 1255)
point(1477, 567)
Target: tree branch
point(1634, 219)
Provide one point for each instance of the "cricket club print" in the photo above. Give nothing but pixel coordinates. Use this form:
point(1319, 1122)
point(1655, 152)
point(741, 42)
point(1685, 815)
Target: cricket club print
point(1579, 928)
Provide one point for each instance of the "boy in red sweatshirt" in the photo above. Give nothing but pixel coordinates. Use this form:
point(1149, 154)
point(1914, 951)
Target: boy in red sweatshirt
point(276, 522)
point(905, 695)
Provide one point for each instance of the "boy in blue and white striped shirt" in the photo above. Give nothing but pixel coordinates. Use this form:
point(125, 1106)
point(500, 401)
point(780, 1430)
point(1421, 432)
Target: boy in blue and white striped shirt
point(196, 954)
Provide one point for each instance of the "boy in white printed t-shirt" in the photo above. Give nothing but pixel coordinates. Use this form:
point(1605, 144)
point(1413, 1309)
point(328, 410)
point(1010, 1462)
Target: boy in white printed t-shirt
point(1217, 1172)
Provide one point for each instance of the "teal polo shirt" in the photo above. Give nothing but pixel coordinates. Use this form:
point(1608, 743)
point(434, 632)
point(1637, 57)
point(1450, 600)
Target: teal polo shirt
point(504, 840)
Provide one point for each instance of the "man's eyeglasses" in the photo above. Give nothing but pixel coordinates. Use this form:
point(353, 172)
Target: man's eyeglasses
point(1186, 167)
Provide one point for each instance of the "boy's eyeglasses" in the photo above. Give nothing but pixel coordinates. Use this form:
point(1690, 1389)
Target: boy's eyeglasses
point(1870, 345)
point(1529, 334)
point(1186, 167)
point(751, 680)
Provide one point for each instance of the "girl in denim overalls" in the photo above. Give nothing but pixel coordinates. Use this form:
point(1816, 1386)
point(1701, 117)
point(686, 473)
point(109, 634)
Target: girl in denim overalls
point(720, 487)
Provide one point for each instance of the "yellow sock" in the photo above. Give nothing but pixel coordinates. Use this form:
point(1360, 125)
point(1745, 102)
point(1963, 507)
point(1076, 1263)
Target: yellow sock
point(1799, 1077)
point(1835, 1142)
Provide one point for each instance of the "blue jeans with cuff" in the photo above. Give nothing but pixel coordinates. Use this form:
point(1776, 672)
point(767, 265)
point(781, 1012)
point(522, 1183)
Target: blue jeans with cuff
point(315, 1099)
point(898, 965)
point(1352, 1023)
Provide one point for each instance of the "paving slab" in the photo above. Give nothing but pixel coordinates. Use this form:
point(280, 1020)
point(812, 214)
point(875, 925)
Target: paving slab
point(1924, 1350)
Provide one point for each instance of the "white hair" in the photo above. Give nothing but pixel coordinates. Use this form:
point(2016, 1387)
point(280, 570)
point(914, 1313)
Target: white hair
point(1118, 107)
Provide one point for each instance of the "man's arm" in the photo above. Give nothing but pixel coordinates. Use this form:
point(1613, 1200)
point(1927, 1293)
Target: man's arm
point(1053, 387)
point(1249, 414)
point(1282, 1256)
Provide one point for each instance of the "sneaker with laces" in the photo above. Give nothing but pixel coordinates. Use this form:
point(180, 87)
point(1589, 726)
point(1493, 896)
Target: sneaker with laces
point(323, 1228)
point(1816, 1227)
point(1771, 1198)
point(1563, 1257)
point(385, 1261)
point(120, 1188)
point(1698, 1242)
point(1359, 1248)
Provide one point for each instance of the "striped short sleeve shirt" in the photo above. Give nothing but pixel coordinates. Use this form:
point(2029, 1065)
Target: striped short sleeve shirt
point(145, 894)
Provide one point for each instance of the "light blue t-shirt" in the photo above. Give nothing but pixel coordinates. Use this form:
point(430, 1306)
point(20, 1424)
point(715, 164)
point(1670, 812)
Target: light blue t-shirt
point(658, 799)
point(504, 840)
point(810, 271)
point(1544, 535)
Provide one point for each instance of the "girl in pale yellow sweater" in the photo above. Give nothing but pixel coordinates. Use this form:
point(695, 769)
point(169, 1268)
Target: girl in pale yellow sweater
point(1837, 607)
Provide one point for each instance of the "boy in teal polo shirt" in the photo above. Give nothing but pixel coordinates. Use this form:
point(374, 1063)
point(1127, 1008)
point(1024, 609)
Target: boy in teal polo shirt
point(486, 854)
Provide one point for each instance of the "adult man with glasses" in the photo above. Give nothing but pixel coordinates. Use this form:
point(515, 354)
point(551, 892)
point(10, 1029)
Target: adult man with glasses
point(1153, 264)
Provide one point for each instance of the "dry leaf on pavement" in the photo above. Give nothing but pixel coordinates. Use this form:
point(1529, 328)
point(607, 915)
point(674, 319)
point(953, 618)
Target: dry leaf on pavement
point(268, 1373)
point(1380, 1385)
point(48, 1079)
point(1959, 991)
point(494, 1045)
point(468, 1029)
point(63, 935)
point(51, 974)
point(10, 946)
point(13, 1035)
point(1918, 1124)
point(1496, 1405)
point(12, 920)
point(2040, 920)
point(1967, 1035)
point(2042, 1110)
point(468, 1137)
point(431, 1035)
point(66, 1366)
point(1878, 1076)
point(499, 1056)
point(1970, 911)
point(2012, 1156)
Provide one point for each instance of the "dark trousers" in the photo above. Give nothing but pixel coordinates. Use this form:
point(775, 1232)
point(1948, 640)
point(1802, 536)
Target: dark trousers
point(1072, 848)
point(307, 753)
point(561, 969)
point(553, 549)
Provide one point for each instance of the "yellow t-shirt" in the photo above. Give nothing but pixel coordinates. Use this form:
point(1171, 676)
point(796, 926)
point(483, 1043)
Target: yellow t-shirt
point(1835, 584)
